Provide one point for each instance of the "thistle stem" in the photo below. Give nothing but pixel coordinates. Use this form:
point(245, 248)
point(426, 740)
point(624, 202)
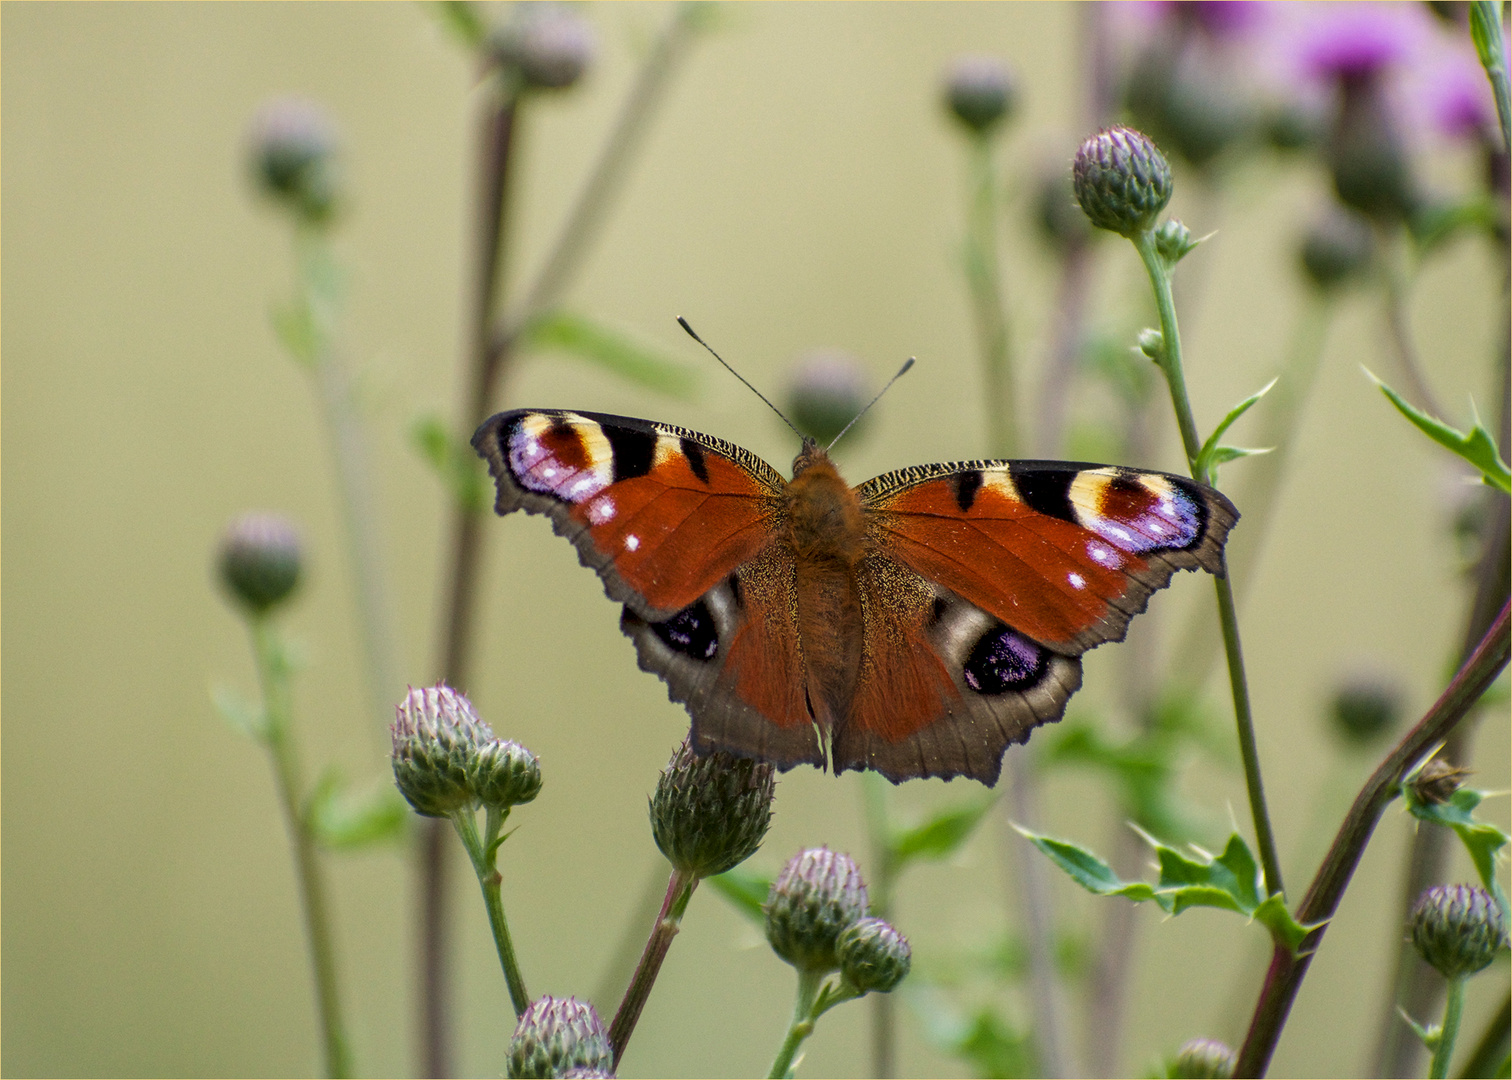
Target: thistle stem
point(1170, 366)
point(483, 851)
point(984, 276)
point(668, 922)
point(802, 1025)
point(884, 879)
point(272, 672)
point(1287, 969)
point(1454, 1010)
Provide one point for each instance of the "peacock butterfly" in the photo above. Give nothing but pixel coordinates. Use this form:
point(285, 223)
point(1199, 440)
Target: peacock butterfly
point(916, 625)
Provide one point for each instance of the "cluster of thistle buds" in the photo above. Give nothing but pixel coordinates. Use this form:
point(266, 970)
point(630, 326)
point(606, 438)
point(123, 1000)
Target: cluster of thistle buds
point(816, 920)
point(448, 761)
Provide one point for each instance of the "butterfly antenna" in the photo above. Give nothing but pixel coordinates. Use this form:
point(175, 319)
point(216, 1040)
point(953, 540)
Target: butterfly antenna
point(694, 335)
point(901, 371)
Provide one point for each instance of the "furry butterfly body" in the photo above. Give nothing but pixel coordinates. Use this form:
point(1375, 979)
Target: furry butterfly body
point(916, 625)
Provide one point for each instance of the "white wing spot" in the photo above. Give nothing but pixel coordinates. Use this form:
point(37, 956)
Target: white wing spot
point(632, 542)
point(1077, 581)
point(1102, 554)
point(601, 510)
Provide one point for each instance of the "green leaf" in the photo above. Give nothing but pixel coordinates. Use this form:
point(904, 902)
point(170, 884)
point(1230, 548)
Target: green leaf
point(454, 461)
point(1212, 454)
point(746, 889)
point(1231, 882)
point(1476, 446)
point(993, 1049)
point(613, 350)
point(345, 820)
point(245, 716)
point(940, 835)
point(1483, 841)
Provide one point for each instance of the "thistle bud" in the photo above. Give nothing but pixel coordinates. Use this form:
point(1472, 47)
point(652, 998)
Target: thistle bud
point(437, 739)
point(980, 92)
point(1365, 152)
point(549, 47)
point(1458, 929)
point(827, 392)
point(1365, 707)
point(816, 897)
point(1058, 220)
point(259, 561)
point(1173, 241)
point(873, 955)
point(504, 774)
point(1337, 249)
point(710, 813)
point(1435, 781)
point(1122, 181)
point(292, 151)
point(1202, 1058)
point(558, 1036)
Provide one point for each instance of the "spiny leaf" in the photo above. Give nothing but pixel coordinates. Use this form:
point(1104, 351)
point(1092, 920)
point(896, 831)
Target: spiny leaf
point(1476, 446)
point(612, 349)
point(1231, 882)
point(1483, 841)
point(1212, 454)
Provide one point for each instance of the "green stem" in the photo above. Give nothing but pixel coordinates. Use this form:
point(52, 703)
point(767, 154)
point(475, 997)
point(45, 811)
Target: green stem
point(273, 673)
point(484, 854)
point(984, 276)
point(1170, 365)
point(884, 879)
point(1454, 1010)
point(668, 923)
point(802, 1025)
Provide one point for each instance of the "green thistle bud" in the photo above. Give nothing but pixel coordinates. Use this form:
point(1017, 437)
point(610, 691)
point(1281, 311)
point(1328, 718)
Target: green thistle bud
point(549, 47)
point(1202, 1058)
point(259, 561)
point(1122, 181)
point(1152, 343)
point(504, 774)
point(873, 955)
point(827, 392)
point(980, 92)
point(710, 813)
point(292, 151)
point(437, 739)
point(818, 894)
point(1458, 929)
point(1337, 249)
point(1173, 241)
point(558, 1036)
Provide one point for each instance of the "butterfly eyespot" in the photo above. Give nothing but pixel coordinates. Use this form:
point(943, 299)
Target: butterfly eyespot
point(691, 632)
point(1003, 660)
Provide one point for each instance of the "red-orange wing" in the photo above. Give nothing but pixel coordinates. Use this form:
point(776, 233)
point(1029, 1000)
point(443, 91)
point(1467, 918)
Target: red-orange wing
point(681, 528)
point(987, 581)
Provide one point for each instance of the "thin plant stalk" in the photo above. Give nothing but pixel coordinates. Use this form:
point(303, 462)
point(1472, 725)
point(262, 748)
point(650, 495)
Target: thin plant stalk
point(802, 1025)
point(1486, 31)
point(668, 922)
point(1287, 969)
point(272, 672)
point(349, 448)
point(491, 349)
point(483, 851)
point(984, 277)
point(884, 880)
point(1454, 1011)
point(1171, 367)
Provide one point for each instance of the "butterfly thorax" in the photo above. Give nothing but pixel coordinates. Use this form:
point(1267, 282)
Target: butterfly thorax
point(827, 532)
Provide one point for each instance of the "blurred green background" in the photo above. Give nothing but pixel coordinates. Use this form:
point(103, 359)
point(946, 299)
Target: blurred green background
point(801, 189)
